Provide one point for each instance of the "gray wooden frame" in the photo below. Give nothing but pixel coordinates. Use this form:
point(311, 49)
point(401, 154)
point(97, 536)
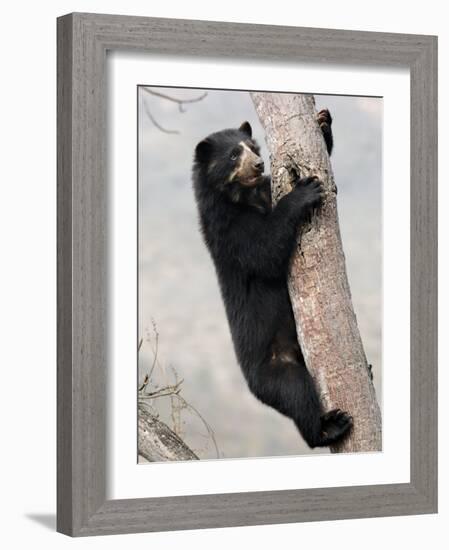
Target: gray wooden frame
point(83, 40)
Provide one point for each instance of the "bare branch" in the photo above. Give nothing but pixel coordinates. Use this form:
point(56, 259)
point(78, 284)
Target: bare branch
point(169, 390)
point(155, 350)
point(155, 122)
point(180, 102)
point(144, 383)
point(208, 427)
point(157, 442)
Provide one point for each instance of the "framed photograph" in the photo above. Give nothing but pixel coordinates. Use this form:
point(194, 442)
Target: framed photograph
point(232, 348)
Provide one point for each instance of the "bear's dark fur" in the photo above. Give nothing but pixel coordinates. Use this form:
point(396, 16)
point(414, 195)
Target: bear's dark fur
point(251, 244)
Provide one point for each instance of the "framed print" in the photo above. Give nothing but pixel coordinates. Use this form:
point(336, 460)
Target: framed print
point(188, 375)
point(206, 363)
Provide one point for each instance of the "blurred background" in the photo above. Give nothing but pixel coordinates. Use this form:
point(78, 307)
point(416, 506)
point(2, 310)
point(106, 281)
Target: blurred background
point(185, 340)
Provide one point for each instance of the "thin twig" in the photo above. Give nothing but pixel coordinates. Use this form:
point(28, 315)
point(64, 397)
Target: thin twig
point(156, 348)
point(209, 429)
point(144, 383)
point(156, 395)
point(180, 102)
point(155, 122)
point(171, 389)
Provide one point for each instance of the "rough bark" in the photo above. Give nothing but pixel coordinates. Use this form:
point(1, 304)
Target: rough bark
point(158, 443)
point(318, 284)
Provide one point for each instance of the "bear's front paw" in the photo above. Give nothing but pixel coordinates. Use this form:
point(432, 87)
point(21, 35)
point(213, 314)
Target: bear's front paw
point(335, 425)
point(324, 119)
point(310, 190)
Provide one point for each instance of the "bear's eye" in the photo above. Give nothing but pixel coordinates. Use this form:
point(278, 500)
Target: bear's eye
point(234, 154)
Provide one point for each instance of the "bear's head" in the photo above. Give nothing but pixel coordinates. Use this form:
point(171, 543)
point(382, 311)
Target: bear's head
point(230, 159)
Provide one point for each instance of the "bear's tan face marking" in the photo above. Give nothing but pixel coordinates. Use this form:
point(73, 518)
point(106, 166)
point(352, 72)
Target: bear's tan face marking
point(246, 170)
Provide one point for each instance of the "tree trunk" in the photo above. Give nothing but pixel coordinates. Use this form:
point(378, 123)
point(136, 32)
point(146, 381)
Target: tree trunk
point(157, 443)
point(319, 291)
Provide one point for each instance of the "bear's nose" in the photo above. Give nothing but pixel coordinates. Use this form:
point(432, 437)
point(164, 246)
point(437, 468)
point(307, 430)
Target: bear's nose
point(259, 165)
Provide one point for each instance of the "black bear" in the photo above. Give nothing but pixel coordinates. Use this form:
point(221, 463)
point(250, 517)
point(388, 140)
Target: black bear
point(251, 244)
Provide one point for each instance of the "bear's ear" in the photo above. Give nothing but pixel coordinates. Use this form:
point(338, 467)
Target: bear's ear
point(203, 150)
point(245, 127)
